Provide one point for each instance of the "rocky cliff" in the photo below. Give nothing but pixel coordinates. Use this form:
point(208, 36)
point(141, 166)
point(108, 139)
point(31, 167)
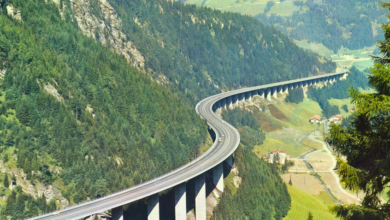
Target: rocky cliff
point(98, 20)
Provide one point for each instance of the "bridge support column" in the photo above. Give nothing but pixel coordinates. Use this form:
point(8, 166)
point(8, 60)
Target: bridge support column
point(117, 213)
point(218, 177)
point(235, 101)
point(224, 103)
point(230, 102)
point(268, 94)
point(229, 161)
point(248, 96)
point(275, 92)
point(200, 197)
point(154, 207)
point(261, 93)
point(180, 202)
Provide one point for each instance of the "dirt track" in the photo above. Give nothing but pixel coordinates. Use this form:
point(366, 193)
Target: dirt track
point(323, 162)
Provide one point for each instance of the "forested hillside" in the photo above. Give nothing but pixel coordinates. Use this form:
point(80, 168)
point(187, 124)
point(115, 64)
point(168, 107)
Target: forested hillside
point(78, 115)
point(352, 24)
point(203, 51)
point(338, 90)
point(262, 193)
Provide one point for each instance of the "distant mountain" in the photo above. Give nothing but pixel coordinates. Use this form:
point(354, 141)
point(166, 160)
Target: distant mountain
point(351, 24)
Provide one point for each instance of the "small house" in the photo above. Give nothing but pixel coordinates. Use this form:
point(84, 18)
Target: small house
point(335, 118)
point(315, 119)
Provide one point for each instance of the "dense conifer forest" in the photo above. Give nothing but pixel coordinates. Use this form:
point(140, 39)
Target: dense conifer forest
point(206, 50)
point(110, 127)
point(349, 23)
point(295, 96)
point(262, 193)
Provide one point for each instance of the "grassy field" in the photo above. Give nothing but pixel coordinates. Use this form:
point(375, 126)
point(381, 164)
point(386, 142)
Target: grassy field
point(315, 47)
point(341, 102)
point(298, 114)
point(302, 203)
point(275, 141)
point(285, 125)
point(285, 8)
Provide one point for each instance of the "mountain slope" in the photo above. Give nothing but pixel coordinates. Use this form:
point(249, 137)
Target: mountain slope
point(352, 24)
point(199, 50)
point(79, 116)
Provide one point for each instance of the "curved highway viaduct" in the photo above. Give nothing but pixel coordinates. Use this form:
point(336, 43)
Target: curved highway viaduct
point(220, 152)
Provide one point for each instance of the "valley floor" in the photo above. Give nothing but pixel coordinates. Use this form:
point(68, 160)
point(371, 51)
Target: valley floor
point(286, 126)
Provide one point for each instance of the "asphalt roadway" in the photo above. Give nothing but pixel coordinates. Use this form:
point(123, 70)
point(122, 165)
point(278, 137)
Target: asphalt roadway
point(218, 152)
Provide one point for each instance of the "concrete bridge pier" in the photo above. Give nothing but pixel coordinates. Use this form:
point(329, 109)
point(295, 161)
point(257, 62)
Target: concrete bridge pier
point(153, 207)
point(200, 197)
point(180, 202)
point(218, 105)
point(248, 96)
point(215, 107)
point(268, 94)
point(241, 98)
point(229, 161)
point(294, 85)
point(286, 89)
point(235, 101)
point(230, 102)
point(279, 89)
point(274, 92)
point(253, 93)
point(218, 177)
point(223, 101)
point(290, 87)
point(117, 213)
point(261, 93)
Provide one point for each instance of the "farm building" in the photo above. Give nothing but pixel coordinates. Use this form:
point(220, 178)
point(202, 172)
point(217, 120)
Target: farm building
point(279, 155)
point(335, 118)
point(315, 119)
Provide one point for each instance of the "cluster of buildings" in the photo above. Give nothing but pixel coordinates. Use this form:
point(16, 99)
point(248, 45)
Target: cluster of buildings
point(333, 119)
point(279, 155)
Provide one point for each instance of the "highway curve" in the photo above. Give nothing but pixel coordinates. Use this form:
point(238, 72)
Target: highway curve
point(214, 156)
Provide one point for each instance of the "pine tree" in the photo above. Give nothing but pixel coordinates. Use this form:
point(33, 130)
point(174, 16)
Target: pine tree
point(14, 178)
point(6, 181)
point(5, 158)
point(310, 217)
point(365, 142)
